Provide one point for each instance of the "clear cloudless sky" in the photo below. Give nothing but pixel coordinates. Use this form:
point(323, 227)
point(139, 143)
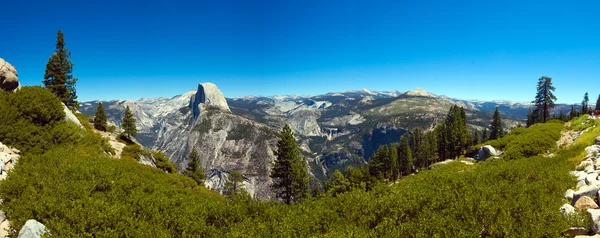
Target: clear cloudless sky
point(466, 49)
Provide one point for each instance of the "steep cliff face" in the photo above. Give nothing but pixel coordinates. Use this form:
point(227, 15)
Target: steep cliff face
point(210, 96)
point(224, 142)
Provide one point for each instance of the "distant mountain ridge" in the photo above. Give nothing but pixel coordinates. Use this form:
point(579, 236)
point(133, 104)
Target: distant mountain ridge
point(334, 130)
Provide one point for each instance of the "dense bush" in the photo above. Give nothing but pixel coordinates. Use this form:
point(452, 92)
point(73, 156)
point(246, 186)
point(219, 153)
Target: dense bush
point(532, 141)
point(77, 195)
point(32, 120)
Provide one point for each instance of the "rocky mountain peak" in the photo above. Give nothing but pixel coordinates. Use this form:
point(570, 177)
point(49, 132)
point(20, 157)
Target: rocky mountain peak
point(209, 95)
point(419, 92)
point(9, 79)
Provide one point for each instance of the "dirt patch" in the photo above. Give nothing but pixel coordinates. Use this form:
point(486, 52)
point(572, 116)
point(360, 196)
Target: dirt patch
point(567, 138)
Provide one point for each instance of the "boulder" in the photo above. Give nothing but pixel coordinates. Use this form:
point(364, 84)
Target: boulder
point(486, 152)
point(591, 178)
point(593, 150)
point(9, 78)
point(569, 194)
point(584, 203)
point(32, 229)
point(597, 142)
point(595, 219)
point(567, 209)
point(586, 190)
point(70, 117)
point(584, 165)
point(209, 95)
point(577, 231)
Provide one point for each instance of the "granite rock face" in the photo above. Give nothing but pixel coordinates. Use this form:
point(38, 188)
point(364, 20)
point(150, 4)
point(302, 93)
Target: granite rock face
point(9, 78)
point(209, 95)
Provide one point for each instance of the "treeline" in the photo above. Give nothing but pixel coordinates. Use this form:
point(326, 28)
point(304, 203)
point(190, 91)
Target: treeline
point(416, 151)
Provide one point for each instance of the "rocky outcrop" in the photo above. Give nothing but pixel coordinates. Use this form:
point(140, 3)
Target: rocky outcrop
point(209, 95)
point(70, 117)
point(224, 142)
point(486, 152)
point(9, 78)
point(33, 229)
point(8, 158)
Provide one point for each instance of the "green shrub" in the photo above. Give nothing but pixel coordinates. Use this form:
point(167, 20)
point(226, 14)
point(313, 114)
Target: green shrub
point(78, 195)
point(527, 142)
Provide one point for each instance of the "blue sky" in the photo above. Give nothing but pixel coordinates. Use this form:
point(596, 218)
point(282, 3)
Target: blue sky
point(466, 49)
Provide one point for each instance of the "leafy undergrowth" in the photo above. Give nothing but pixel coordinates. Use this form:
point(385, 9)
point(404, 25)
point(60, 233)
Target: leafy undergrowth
point(76, 195)
point(526, 142)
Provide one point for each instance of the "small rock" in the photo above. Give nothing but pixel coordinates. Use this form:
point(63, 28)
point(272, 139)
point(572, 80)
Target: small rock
point(2, 216)
point(585, 203)
point(588, 190)
point(486, 152)
point(32, 229)
point(584, 165)
point(577, 231)
point(569, 194)
point(598, 140)
point(567, 209)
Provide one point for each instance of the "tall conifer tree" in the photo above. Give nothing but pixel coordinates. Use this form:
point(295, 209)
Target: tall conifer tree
point(405, 156)
point(598, 104)
point(58, 77)
point(544, 99)
point(584, 103)
point(100, 120)
point(290, 177)
point(128, 123)
point(496, 130)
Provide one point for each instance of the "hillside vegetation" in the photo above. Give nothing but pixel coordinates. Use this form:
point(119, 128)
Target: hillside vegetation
point(72, 186)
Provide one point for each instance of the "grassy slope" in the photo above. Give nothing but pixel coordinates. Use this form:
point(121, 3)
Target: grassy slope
point(511, 198)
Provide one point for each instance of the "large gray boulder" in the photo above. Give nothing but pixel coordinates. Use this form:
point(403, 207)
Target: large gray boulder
point(70, 117)
point(209, 95)
point(32, 229)
point(9, 78)
point(587, 190)
point(486, 152)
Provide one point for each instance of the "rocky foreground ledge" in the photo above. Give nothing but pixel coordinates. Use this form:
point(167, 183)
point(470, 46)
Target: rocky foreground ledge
point(32, 228)
point(587, 194)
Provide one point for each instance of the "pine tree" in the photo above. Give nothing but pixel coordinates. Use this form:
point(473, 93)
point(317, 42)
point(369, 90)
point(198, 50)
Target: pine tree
point(484, 135)
point(430, 148)
point(378, 165)
point(442, 141)
point(128, 123)
point(530, 118)
point(193, 169)
point(405, 156)
point(418, 139)
point(598, 104)
point(337, 184)
point(290, 177)
point(58, 77)
point(544, 99)
point(573, 113)
point(100, 120)
point(496, 130)
point(394, 167)
point(584, 103)
point(234, 183)
point(475, 137)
